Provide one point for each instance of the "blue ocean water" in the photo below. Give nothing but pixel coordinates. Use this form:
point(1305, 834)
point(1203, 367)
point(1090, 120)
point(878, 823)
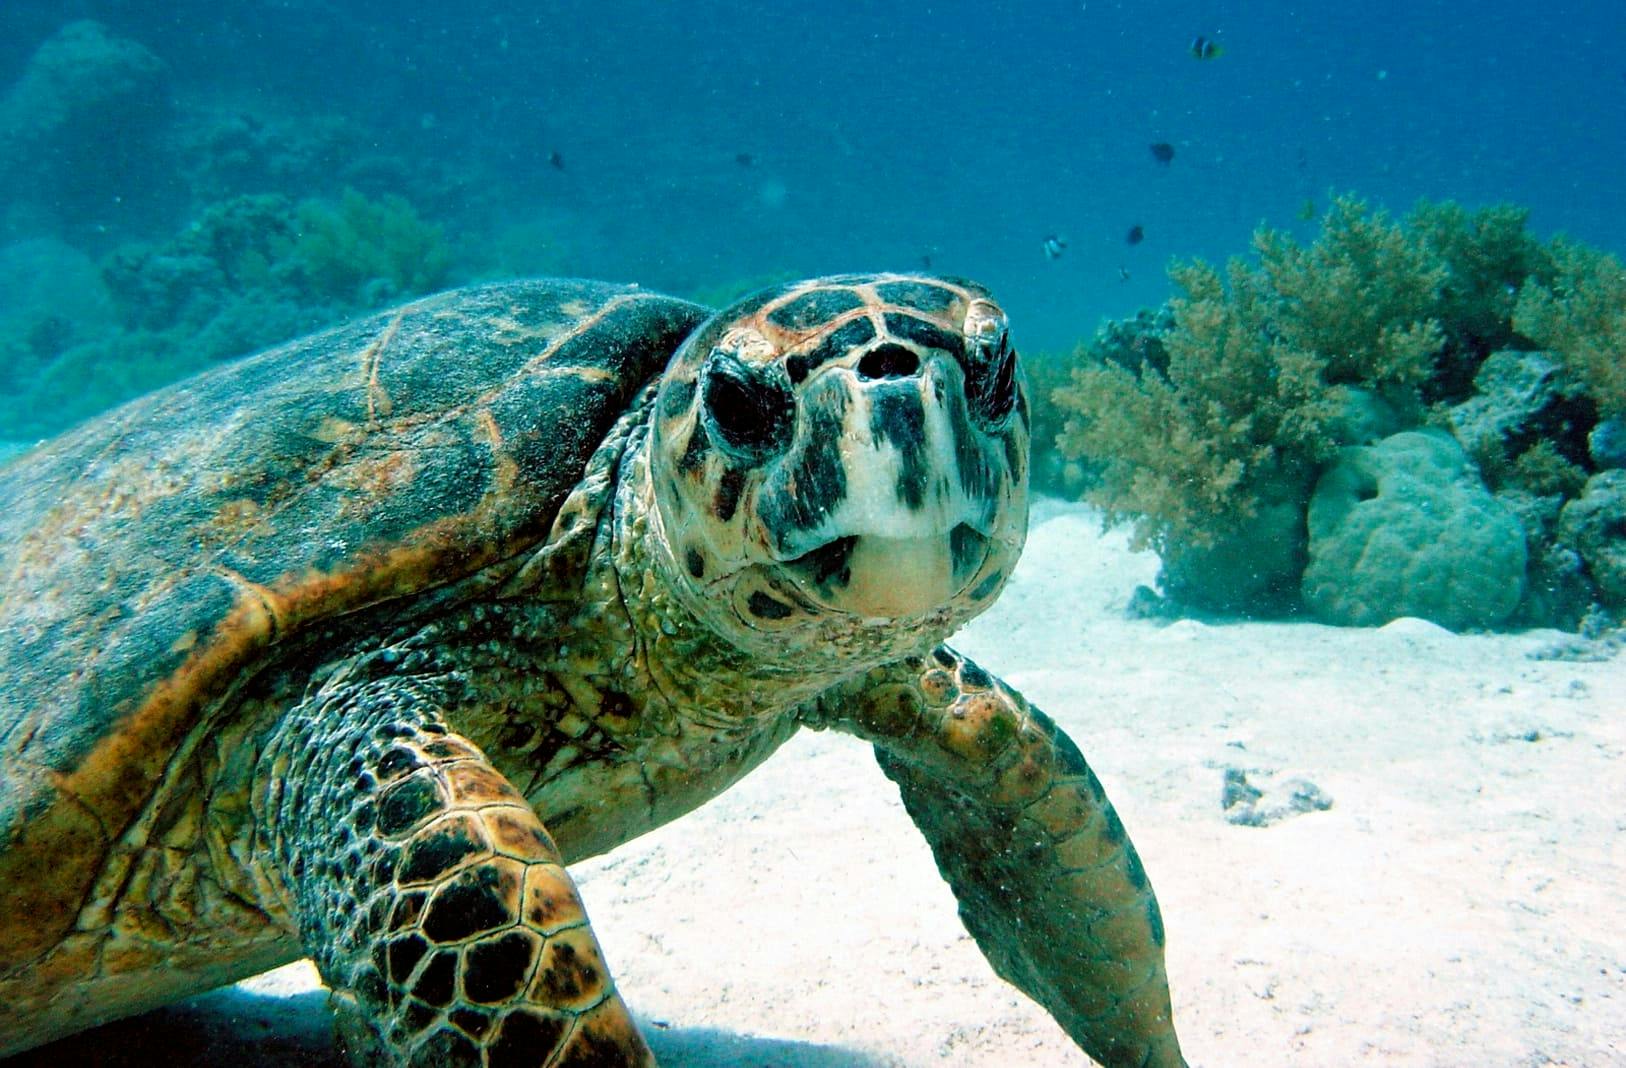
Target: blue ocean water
point(703, 144)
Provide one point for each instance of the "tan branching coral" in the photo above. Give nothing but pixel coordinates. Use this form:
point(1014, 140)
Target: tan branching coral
point(1263, 365)
point(1581, 316)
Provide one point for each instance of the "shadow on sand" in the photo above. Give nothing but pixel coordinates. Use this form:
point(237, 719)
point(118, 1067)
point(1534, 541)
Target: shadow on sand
point(235, 1028)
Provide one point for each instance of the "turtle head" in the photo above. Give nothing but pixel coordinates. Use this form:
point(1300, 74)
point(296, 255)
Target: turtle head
point(847, 452)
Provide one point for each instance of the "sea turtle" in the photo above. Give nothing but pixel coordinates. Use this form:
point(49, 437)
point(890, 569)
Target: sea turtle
point(347, 649)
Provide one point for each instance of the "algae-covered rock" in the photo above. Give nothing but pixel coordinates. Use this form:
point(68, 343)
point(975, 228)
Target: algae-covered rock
point(84, 126)
point(1406, 528)
point(1595, 524)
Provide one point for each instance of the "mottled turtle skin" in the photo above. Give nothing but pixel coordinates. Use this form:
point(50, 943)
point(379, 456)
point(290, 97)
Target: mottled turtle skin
point(345, 650)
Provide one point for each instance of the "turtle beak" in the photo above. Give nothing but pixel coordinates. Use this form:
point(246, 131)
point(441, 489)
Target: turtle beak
point(891, 490)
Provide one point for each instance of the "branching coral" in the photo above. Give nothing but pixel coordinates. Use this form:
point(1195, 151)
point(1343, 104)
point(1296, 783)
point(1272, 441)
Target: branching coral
point(1262, 367)
point(1580, 314)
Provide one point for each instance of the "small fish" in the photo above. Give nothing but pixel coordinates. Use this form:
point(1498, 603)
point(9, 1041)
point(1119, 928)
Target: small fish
point(1162, 151)
point(1136, 235)
point(926, 260)
point(1053, 247)
point(745, 159)
point(1307, 210)
point(1123, 274)
point(1205, 48)
point(557, 160)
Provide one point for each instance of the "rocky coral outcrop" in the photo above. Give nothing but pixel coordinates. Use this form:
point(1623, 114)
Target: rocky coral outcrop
point(1406, 528)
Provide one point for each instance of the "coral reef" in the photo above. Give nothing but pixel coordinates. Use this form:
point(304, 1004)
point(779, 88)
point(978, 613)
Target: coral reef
point(1580, 313)
point(1211, 426)
point(1405, 527)
point(248, 272)
point(82, 131)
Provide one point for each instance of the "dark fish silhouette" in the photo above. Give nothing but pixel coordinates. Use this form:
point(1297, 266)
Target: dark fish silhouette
point(745, 159)
point(1135, 235)
point(1162, 151)
point(557, 160)
point(1205, 48)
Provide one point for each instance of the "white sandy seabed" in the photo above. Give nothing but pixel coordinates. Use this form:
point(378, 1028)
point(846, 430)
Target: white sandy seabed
point(1462, 902)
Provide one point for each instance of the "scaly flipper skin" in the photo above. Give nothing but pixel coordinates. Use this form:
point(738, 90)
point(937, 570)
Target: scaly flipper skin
point(1048, 882)
point(433, 901)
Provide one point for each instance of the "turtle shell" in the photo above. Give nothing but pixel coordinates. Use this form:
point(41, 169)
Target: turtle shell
point(150, 558)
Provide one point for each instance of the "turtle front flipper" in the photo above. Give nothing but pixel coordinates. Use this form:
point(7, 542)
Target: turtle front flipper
point(433, 901)
point(1048, 882)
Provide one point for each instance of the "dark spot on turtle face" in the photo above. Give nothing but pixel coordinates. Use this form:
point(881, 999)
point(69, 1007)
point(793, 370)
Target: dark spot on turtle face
point(438, 982)
point(843, 340)
point(819, 478)
point(728, 494)
point(814, 308)
point(965, 549)
point(920, 295)
point(404, 954)
point(438, 851)
point(1136, 871)
point(976, 476)
point(694, 562)
point(988, 585)
point(694, 452)
point(943, 656)
point(496, 970)
point(365, 783)
point(471, 1022)
point(676, 396)
point(1154, 919)
point(407, 804)
point(1114, 832)
point(829, 566)
point(764, 607)
point(973, 676)
point(472, 903)
point(527, 1039)
point(925, 334)
point(898, 415)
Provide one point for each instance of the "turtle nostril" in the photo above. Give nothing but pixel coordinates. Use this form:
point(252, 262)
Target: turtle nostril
point(888, 361)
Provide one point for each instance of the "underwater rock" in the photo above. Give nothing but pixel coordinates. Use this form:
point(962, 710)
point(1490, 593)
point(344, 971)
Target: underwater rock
point(1249, 805)
point(51, 297)
point(1607, 443)
point(83, 128)
point(1406, 528)
point(1595, 524)
point(1520, 399)
point(1558, 592)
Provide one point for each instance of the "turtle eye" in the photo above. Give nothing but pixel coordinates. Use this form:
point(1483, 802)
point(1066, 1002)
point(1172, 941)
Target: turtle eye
point(991, 378)
point(748, 406)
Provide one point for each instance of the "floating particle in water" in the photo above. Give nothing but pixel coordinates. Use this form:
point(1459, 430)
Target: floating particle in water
point(1054, 247)
point(1161, 151)
point(556, 160)
point(745, 159)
